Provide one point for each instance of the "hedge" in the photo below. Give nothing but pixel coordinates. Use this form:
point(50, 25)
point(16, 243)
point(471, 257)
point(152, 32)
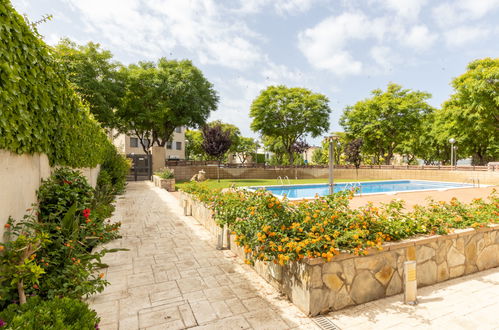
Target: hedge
point(39, 110)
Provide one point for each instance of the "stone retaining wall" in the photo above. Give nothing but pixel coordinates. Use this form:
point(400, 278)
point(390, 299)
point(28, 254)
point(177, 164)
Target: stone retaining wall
point(168, 184)
point(316, 286)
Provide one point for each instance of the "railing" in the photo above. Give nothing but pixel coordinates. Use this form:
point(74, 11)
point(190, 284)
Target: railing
point(171, 163)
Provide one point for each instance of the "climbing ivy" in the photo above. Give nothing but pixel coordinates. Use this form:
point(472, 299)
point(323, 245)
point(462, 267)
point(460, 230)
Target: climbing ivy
point(39, 110)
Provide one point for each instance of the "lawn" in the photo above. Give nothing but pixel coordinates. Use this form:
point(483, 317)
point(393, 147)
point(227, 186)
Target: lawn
point(225, 183)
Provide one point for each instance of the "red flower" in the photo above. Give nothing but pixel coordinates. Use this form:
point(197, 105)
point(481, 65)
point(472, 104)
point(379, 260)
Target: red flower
point(67, 182)
point(86, 213)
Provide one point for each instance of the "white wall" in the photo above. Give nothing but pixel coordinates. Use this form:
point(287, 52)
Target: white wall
point(20, 177)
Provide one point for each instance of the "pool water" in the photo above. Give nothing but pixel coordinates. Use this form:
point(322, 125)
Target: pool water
point(372, 187)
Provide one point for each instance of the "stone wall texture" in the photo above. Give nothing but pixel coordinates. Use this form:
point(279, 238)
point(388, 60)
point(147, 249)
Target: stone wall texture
point(316, 286)
point(168, 184)
point(20, 177)
point(484, 177)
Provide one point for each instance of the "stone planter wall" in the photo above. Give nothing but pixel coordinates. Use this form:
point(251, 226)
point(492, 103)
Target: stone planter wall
point(168, 184)
point(317, 287)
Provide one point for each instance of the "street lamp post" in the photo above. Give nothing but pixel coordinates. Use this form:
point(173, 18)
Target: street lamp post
point(332, 140)
point(452, 141)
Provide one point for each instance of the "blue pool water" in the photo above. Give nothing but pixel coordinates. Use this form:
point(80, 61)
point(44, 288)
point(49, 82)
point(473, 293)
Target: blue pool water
point(373, 187)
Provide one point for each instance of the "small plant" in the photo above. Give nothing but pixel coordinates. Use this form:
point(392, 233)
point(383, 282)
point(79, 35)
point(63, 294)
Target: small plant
point(19, 266)
point(165, 173)
point(63, 189)
point(55, 314)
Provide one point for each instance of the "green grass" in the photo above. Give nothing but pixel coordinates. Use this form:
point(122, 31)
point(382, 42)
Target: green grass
point(226, 183)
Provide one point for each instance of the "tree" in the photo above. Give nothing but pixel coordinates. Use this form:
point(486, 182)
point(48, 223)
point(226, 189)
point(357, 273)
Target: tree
point(353, 152)
point(165, 95)
point(471, 115)
point(244, 147)
point(193, 146)
point(96, 77)
point(290, 114)
point(216, 142)
point(386, 119)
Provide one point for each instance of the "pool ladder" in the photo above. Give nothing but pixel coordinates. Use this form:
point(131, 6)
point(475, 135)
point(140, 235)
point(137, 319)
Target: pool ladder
point(281, 180)
point(354, 186)
point(474, 181)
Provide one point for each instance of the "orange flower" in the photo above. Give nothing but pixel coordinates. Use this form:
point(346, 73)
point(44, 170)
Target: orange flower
point(7, 225)
point(1, 248)
point(101, 275)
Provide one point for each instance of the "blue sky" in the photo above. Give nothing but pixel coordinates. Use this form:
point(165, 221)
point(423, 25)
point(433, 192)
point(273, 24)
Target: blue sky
point(341, 48)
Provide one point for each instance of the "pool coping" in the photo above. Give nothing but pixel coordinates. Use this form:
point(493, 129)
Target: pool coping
point(390, 193)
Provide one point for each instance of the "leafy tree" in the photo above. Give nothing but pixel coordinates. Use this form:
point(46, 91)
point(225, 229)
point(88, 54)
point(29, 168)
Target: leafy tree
point(386, 119)
point(162, 96)
point(290, 114)
point(193, 148)
point(471, 115)
point(216, 142)
point(318, 157)
point(96, 77)
point(275, 146)
point(244, 148)
point(353, 152)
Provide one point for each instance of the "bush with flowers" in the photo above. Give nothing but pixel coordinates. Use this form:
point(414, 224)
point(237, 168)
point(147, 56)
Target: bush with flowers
point(272, 229)
point(50, 252)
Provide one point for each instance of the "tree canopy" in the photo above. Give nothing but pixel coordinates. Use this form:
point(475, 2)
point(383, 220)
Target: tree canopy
point(164, 95)
point(290, 114)
point(386, 120)
point(95, 76)
point(471, 115)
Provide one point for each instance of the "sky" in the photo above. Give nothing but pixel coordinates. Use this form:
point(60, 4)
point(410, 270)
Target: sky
point(343, 49)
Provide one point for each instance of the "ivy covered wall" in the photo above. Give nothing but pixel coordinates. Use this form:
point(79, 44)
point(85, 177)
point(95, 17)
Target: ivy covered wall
point(39, 110)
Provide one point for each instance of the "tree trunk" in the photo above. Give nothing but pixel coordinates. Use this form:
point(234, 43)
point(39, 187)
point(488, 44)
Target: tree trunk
point(20, 291)
point(291, 158)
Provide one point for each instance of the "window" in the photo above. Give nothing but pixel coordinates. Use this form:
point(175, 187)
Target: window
point(178, 129)
point(169, 145)
point(134, 142)
point(178, 145)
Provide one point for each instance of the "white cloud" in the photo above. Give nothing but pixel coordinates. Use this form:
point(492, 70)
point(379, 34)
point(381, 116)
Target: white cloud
point(464, 35)
point(158, 26)
point(405, 9)
point(292, 6)
point(456, 12)
point(419, 38)
point(281, 7)
point(325, 45)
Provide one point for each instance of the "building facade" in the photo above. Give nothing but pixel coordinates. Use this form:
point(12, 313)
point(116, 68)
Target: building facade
point(130, 144)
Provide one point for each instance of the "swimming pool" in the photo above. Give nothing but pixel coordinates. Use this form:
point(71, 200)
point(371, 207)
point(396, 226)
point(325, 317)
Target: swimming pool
point(371, 187)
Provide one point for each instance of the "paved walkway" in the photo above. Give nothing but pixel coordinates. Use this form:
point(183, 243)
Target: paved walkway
point(470, 302)
point(172, 277)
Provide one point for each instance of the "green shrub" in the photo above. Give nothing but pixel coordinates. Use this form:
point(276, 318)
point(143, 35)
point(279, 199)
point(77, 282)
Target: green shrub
point(64, 188)
point(113, 170)
point(165, 173)
point(55, 314)
point(66, 204)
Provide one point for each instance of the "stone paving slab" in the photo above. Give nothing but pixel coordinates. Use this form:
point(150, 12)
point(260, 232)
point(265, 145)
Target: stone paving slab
point(172, 277)
point(469, 302)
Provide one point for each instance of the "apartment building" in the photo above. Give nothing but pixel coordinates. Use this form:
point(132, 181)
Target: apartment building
point(175, 149)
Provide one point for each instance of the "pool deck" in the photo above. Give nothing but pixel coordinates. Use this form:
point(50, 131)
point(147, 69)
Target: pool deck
point(464, 195)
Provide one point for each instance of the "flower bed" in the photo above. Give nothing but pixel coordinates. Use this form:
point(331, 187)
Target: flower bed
point(315, 252)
